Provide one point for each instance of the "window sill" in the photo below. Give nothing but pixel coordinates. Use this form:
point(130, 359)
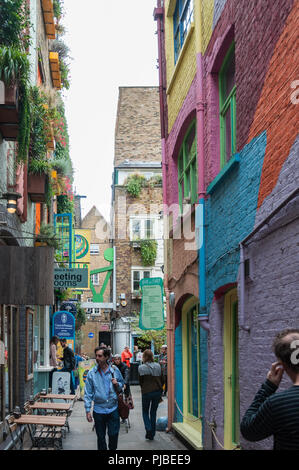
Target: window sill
point(180, 58)
point(44, 369)
point(233, 162)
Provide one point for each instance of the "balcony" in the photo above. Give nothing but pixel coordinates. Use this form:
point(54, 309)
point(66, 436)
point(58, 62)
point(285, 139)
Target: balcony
point(47, 6)
point(9, 112)
point(55, 71)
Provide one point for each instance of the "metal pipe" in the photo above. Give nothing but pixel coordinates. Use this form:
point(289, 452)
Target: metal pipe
point(242, 290)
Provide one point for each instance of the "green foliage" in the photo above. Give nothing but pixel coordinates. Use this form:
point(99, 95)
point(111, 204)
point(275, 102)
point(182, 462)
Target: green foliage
point(58, 8)
point(47, 235)
point(39, 126)
point(63, 294)
point(14, 23)
point(62, 166)
point(38, 166)
point(155, 180)
point(14, 66)
point(25, 122)
point(159, 337)
point(148, 252)
point(64, 204)
point(134, 184)
point(80, 317)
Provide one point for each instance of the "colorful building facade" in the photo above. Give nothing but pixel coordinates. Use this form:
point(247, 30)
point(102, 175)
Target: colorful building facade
point(229, 112)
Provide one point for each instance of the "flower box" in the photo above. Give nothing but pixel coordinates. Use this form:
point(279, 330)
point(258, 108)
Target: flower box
point(48, 12)
point(37, 187)
point(55, 70)
point(9, 113)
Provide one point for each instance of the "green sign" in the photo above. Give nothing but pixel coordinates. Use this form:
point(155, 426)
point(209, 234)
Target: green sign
point(70, 278)
point(152, 308)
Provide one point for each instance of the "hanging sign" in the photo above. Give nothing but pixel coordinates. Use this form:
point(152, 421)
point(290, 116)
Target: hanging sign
point(152, 307)
point(70, 307)
point(63, 325)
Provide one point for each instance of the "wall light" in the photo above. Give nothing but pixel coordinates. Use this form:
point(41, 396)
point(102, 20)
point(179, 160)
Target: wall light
point(11, 198)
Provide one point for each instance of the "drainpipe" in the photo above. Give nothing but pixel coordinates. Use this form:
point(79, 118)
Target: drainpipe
point(242, 289)
point(200, 209)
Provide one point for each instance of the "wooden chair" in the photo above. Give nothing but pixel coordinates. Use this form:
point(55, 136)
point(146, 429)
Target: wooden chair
point(14, 432)
point(43, 437)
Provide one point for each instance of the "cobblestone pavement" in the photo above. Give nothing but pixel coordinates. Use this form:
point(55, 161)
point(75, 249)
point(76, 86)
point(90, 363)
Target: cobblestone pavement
point(82, 437)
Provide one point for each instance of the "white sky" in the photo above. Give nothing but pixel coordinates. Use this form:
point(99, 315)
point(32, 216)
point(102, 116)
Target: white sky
point(113, 43)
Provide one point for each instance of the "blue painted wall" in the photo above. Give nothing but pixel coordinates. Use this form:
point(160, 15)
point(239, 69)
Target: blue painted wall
point(178, 354)
point(234, 200)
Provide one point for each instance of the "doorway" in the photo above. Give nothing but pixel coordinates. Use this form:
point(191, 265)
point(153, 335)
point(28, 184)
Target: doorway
point(231, 371)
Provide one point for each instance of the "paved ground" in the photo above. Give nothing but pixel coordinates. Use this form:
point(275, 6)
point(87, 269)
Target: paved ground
point(81, 436)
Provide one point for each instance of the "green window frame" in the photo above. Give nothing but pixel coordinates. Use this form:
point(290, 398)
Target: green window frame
point(187, 168)
point(194, 372)
point(227, 105)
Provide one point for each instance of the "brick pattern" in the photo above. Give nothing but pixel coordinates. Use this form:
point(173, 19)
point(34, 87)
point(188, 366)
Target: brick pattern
point(137, 131)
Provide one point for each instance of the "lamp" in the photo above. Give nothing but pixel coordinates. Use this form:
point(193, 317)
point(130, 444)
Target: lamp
point(11, 198)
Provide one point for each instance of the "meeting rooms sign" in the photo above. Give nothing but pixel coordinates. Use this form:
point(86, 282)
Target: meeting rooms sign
point(70, 278)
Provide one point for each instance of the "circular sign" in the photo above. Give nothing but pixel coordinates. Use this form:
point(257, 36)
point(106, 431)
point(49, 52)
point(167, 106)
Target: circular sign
point(90, 335)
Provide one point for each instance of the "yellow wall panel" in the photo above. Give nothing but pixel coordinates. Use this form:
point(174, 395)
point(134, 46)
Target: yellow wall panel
point(207, 8)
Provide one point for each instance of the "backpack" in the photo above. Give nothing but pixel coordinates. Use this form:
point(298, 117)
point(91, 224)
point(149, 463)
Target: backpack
point(70, 360)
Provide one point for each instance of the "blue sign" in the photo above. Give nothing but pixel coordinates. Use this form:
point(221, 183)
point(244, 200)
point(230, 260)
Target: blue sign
point(63, 325)
point(90, 335)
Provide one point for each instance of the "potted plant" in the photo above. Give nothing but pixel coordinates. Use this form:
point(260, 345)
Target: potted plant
point(47, 237)
point(38, 170)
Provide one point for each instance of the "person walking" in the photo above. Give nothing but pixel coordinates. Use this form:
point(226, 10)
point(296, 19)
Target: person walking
point(53, 358)
point(100, 385)
point(126, 356)
point(69, 363)
point(163, 364)
point(150, 380)
point(273, 413)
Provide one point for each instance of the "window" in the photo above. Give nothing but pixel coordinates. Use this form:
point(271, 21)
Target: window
point(187, 168)
point(227, 103)
point(95, 279)
point(29, 344)
point(94, 249)
point(89, 310)
point(182, 18)
point(143, 228)
point(137, 275)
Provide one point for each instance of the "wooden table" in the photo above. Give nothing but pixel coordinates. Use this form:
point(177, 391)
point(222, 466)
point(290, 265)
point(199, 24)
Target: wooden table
point(41, 419)
point(53, 396)
point(40, 405)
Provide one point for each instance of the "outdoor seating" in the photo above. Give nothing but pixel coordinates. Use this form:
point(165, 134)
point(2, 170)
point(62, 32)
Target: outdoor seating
point(44, 431)
point(15, 433)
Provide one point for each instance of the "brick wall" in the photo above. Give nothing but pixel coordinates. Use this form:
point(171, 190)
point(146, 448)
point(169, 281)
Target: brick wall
point(137, 131)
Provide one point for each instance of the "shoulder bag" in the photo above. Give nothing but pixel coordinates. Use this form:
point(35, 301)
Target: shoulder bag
point(123, 408)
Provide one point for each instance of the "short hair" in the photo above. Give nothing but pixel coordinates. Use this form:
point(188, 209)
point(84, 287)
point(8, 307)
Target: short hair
point(148, 356)
point(106, 351)
point(117, 356)
point(63, 340)
point(283, 350)
point(54, 339)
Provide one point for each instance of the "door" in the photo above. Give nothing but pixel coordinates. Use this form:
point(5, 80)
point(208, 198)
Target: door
point(191, 368)
point(231, 372)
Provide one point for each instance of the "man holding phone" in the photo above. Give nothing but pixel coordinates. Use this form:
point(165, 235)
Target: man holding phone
point(100, 386)
point(273, 413)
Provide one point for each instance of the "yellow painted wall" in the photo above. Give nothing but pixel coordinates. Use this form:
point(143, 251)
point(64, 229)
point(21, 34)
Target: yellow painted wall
point(181, 75)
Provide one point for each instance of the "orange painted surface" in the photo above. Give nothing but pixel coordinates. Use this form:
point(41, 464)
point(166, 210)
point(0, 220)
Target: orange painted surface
point(275, 112)
point(38, 213)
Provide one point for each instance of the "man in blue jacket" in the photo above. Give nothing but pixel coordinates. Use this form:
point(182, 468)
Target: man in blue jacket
point(100, 387)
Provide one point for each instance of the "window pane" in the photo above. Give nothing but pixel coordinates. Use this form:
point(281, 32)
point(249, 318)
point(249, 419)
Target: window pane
point(228, 131)
point(146, 274)
point(191, 143)
point(149, 229)
point(230, 75)
point(136, 279)
point(136, 229)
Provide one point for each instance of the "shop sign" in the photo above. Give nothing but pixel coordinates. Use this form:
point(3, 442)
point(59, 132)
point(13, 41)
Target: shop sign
point(63, 325)
point(70, 278)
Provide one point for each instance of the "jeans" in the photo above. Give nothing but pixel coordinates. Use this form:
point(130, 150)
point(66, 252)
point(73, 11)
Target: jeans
point(104, 421)
point(150, 402)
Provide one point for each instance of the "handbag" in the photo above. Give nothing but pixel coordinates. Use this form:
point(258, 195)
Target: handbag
point(129, 402)
point(123, 407)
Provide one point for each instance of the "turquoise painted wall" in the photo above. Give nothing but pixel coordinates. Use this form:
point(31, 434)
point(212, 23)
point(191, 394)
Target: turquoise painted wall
point(234, 200)
point(178, 354)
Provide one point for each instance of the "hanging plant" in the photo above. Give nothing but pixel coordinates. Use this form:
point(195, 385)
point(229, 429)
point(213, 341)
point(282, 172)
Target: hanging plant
point(47, 235)
point(15, 23)
point(148, 252)
point(134, 184)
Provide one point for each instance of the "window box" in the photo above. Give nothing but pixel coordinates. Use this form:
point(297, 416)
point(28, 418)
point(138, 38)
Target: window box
point(9, 113)
point(37, 187)
point(48, 12)
point(55, 70)
point(136, 295)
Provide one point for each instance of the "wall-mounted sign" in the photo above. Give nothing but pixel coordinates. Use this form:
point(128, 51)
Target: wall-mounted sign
point(104, 327)
point(63, 325)
point(70, 278)
point(152, 307)
point(90, 335)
